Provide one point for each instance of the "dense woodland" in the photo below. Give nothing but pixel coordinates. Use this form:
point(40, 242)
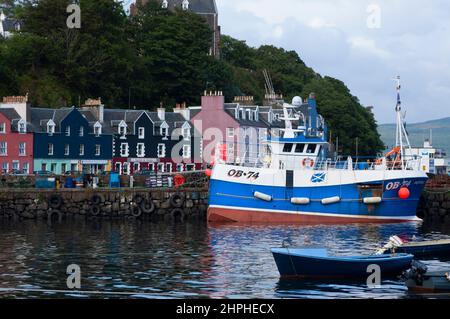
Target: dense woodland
point(158, 58)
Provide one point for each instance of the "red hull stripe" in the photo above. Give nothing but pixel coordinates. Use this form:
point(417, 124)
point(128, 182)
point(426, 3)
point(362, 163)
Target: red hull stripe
point(232, 215)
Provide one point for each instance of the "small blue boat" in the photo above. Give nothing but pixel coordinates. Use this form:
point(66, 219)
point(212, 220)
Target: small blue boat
point(425, 249)
point(315, 263)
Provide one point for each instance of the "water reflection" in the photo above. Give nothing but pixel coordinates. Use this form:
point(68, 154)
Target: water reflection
point(191, 260)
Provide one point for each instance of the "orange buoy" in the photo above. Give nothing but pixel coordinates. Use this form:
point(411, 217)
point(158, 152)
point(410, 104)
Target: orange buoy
point(404, 193)
point(208, 172)
point(179, 180)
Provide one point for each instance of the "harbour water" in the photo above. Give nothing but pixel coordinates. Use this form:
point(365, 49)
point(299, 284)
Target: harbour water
point(140, 259)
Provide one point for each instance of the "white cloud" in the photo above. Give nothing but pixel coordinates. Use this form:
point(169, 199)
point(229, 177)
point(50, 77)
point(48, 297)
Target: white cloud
point(332, 37)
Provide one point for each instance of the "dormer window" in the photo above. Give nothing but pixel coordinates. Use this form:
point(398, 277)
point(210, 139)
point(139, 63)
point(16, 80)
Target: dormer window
point(22, 126)
point(67, 130)
point(51, 127)
point(122, 129)
point(81, 131)
point(97, 129)
point(249, 115)
point(165, 4)
point(164, 130)
point(186, 133)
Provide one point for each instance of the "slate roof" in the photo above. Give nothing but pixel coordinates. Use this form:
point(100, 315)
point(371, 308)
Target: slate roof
point(10, 114)
point(197, 6)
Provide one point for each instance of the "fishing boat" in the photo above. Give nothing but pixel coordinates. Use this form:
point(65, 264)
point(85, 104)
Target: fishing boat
point(293, 179)
point(317, 264)
point(420, 249)
point(419, 280)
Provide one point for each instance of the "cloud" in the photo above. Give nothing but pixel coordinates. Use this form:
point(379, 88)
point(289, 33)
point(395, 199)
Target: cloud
point(333, 37)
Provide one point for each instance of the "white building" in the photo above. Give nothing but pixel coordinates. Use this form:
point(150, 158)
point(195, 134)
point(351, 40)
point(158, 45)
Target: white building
point(8, 26)
point(432, 159)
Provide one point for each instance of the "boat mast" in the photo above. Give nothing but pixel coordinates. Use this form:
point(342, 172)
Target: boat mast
point(401, 131)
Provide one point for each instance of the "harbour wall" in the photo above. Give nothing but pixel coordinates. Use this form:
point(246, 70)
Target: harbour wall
point(435, 201)
point(155, 204)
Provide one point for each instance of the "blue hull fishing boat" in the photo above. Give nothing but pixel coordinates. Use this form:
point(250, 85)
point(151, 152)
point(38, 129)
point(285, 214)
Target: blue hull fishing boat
point(292, 179)
point(420, 249)
point(315, 263)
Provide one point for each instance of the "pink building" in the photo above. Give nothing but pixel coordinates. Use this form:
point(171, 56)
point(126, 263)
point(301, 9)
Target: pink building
point(16, 139)
point(241, 128)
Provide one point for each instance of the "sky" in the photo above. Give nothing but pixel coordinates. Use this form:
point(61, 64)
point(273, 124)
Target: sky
point(363, 43)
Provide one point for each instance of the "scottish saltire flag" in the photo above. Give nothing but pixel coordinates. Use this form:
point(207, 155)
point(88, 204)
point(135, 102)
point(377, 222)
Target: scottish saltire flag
point(319, 178)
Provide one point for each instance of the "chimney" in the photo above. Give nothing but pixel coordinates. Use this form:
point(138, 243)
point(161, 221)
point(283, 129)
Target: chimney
point(162, 113)
point(185, 112)
point(19, 104)
point(96, 107)
point(213, 101)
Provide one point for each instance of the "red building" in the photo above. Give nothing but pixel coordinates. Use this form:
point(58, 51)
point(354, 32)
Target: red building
point(16, 138)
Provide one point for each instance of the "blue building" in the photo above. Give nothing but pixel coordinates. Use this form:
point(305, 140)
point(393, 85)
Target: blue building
point(71, 139)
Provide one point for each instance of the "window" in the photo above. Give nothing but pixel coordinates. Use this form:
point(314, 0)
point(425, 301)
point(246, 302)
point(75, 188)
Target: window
point(67, 130)
point(66, 150)
point(311, 149)
point(3, 148)
point(2, 128)
point(124, 150)
point(186, 133)
point(22, 149)
point(141, 133)
point(190, 167)
point(299, 148)
point(186, 151)
point(161, 150)
point(288, 148)
point(140, 150)
point(230, 132)
point(44, 166)
point(53, 167)
point(126, 167)
point(98, 150)
point(81, 149)
point(50, 149)
point(97, 129)
point(164, 131)
point(26, 168)
point(22, 127)
point(63, 168)
point(5, 167)
point(169, 167)
point(151, 167)
point(136, 167)
point(15, 165)
point(122, 129)
point(51, 127)
point(180, 167)
point(161, 168)
point(81, 131)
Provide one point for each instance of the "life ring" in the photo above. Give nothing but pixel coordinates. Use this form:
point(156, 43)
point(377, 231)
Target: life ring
point(147, 206)
point(177, 200)
point(308, 162)
point(55, 201)
point(179, 180)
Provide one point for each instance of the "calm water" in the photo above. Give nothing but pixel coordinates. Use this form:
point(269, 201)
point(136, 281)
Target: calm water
point(149, 260)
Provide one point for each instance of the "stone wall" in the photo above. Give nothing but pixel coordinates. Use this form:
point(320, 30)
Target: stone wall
point(435, 205)
point(153, 204)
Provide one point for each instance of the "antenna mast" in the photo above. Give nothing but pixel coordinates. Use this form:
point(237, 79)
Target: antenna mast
point(401, 131)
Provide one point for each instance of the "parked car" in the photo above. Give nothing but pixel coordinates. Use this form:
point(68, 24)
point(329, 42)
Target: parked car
point(43, 173)
point(18, 172)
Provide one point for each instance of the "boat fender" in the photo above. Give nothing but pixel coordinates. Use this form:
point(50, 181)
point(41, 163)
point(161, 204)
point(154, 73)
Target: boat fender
point(331, 200)
point(300, 200)
point(177, 200)
point(262, 196)
point(147, 206)
point(372, 200)
point(177, 214)
point(55, 201)
point(54, 214)
point(95, 210)
point(138, 199)
point(136, 211)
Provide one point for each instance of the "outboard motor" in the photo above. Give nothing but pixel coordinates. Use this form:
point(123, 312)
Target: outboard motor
point(416, 272)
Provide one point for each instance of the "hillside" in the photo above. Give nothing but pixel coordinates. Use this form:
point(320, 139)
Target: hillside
point(157, 58)
point(420, 131)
